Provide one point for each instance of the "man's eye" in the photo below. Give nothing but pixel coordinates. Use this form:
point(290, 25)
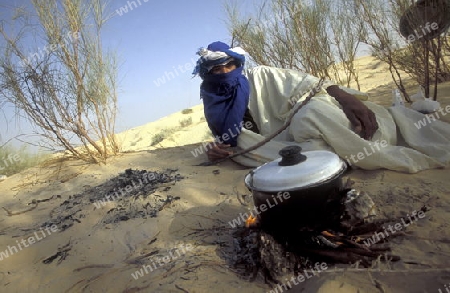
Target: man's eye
point(217, 68)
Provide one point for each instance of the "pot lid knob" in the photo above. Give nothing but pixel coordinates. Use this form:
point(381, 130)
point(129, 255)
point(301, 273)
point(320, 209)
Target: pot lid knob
point(291, 155)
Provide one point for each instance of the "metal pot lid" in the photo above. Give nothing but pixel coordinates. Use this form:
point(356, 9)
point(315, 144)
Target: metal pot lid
point(295, 170)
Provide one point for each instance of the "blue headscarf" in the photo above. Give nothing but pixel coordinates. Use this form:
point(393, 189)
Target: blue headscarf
point(225, 96)
point(217, 53)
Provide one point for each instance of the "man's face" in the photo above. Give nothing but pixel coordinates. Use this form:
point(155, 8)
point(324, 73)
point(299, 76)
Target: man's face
point(219, 69)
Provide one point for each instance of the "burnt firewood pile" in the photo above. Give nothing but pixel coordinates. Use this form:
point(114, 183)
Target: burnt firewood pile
point(129, 195)
point(351, 234)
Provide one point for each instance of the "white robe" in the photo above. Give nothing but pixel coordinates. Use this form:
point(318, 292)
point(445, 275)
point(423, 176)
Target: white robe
point(322, 124)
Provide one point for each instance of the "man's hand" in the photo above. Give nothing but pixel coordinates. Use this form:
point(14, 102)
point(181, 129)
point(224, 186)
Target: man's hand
point(362, 118)
point(217, 151)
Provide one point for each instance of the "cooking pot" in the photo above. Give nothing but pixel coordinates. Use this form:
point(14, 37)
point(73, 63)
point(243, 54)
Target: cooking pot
point(300, 188)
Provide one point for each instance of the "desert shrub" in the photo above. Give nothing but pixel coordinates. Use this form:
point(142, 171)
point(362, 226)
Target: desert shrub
point(323, 37)
point(320, 37)
point(157, 138)
point(406, 57)
point(70, 92)
point(187, 111)
point(13, 160)
point(162, 135)
point(186, 122)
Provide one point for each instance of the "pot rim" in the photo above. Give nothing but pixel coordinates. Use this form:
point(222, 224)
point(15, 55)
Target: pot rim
point(318, 166)
point(338, 174)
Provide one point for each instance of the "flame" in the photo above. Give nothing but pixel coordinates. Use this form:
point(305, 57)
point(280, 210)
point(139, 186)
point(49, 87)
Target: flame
point(331, 235)
point(251, 222)
point(327, 234)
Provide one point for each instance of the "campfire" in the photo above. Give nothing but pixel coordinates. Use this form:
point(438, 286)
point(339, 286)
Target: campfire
point(351, 234)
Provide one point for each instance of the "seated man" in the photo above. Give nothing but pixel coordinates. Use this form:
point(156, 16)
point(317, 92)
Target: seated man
point(243, 107)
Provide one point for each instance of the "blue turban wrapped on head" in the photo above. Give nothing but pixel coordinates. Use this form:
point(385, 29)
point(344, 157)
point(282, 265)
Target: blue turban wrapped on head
point(226, 95)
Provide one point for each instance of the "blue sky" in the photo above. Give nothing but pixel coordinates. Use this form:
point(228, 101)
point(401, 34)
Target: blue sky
point(153, 40)
point(157, 42)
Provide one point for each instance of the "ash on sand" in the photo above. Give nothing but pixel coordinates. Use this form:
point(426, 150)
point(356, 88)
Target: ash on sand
point(134, 197)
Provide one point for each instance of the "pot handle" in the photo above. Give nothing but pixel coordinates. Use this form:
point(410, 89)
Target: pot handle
point(291, 155)
point(249, 180)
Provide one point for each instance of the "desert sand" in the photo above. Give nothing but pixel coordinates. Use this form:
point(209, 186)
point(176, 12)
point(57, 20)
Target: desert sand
point(95, 253)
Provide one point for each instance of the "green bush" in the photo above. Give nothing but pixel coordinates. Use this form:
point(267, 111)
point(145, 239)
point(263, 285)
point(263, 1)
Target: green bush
point(157, 138)
point(186, 122)
point(162, 135)
point(187, 111)
point(14, 160)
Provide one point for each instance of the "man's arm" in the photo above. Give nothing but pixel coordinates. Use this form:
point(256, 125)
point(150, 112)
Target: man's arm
point(362, 118)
